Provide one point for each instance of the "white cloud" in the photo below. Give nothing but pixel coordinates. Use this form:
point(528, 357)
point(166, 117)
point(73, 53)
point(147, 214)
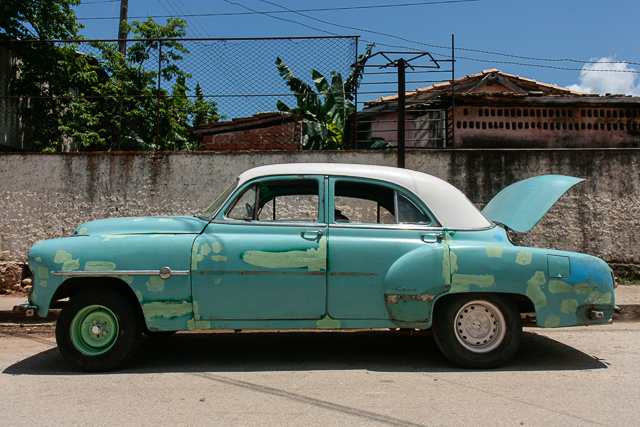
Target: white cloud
point(617, 80)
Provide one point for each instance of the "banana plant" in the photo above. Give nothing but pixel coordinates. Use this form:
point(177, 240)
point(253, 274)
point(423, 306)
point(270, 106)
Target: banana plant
point(325, 112)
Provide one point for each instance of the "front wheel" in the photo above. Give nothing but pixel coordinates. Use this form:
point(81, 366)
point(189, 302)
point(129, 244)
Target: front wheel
point(477, 330)
point(97, 330)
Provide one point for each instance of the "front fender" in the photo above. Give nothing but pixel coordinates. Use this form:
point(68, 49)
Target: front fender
point(134, 259)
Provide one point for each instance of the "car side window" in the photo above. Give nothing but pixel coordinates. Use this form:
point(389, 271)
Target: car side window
point(363, 203)
point(409, 213)
point(282, 200)
point(359, 202)
point(244, 206)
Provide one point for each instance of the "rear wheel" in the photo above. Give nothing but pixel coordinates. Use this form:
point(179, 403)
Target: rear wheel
point(477, 330)
point(97, 330)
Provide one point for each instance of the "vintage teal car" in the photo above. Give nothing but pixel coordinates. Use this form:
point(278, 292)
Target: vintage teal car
point(321, 246)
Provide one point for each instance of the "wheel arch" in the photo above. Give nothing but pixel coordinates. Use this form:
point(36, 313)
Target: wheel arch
point(524, 304)
point(72, 286)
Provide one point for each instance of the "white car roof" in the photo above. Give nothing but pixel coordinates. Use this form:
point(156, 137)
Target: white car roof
point(450, 206)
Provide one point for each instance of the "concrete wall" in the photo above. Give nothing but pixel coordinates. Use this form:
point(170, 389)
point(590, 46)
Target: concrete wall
point(44, 196)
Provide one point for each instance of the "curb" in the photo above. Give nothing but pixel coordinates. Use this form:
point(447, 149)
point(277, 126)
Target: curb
point(623, 314)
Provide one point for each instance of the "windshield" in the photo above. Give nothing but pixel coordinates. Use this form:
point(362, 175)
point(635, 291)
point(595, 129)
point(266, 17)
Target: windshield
point(211, 210)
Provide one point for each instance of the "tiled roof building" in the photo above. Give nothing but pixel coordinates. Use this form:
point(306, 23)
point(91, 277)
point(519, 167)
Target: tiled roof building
point(499, 110)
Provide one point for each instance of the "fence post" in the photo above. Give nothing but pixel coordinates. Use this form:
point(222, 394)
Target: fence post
point(159, 87)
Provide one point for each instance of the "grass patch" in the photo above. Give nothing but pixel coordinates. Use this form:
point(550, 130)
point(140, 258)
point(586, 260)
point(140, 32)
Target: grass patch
point(628, 280)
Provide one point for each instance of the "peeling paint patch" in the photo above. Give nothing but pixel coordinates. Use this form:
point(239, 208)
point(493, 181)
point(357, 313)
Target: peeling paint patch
point(155, 284)
point(65, 258)
point(558, 286)
point(218, 281)
point(38, 259)
point(205, 250)
point(191, 324)
point(99, 266)
point(216, 247)
point(196, 310)
point(424, 297)
point(166, 309)
point(83, 230)
point(494, 251)
point(454, 262)
point(596, 297)
point(391, 299)
point(328, 323)
point(165, 219)
point(202, 324)
point(139, 295)
point(108, 237)
point(218, 258)
point(552, 322)
point(582, 288)
point(524, 257)
point(569, 306)
point(62, 256)
point(139, 219)
point(446, 265)
point(72, 264)
point(194, 256)
point(128, 279)
point(534, 292)
point(43, 273)
point(461, 282)
point(313, 259)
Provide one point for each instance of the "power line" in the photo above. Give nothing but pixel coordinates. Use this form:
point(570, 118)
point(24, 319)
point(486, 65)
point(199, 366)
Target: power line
point(299, 12)
point(327, 9)
point(180, 12)
point(554, 67)
point(194, 18)
point(281, 19)
point(95, 2)
point(177, 12)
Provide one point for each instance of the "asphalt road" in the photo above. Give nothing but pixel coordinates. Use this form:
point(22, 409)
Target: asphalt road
point(561, 377)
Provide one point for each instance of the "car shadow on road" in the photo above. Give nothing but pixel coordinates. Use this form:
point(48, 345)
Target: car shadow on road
point(310, 351)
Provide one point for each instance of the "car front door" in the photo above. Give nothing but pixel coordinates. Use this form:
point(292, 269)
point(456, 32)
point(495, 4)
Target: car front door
point(265, 255)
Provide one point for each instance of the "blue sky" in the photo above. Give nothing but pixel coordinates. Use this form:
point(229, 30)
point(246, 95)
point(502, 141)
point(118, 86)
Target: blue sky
point(549, 31)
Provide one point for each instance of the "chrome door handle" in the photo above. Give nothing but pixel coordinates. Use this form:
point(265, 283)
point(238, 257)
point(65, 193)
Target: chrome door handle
point(431, 237)
point(316, 233)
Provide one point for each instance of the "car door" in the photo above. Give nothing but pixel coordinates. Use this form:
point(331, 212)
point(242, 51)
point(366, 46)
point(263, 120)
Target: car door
point(384, 245)
point(265, 254)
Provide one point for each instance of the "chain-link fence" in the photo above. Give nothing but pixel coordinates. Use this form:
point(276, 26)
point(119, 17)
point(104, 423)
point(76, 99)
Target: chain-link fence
point(221, 94)
point(84, 95)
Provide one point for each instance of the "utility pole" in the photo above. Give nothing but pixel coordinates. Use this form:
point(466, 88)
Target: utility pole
point(122, 35)
point(402, 108)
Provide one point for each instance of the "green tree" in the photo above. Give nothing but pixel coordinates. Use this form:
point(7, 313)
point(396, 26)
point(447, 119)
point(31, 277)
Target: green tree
point(104, 100)
point(327, 113)
point(40, 20)
point(204, 112)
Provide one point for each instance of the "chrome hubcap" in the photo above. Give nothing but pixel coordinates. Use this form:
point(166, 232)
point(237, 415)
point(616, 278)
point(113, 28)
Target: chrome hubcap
point(480, 326)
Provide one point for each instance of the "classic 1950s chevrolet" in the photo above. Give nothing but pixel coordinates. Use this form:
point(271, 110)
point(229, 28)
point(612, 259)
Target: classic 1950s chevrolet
point(323, 246)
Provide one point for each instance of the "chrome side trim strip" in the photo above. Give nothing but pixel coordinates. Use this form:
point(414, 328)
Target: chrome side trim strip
point(119, 273)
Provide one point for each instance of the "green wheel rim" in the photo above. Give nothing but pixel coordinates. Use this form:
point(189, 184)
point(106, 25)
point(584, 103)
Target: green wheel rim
point(94, 330)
